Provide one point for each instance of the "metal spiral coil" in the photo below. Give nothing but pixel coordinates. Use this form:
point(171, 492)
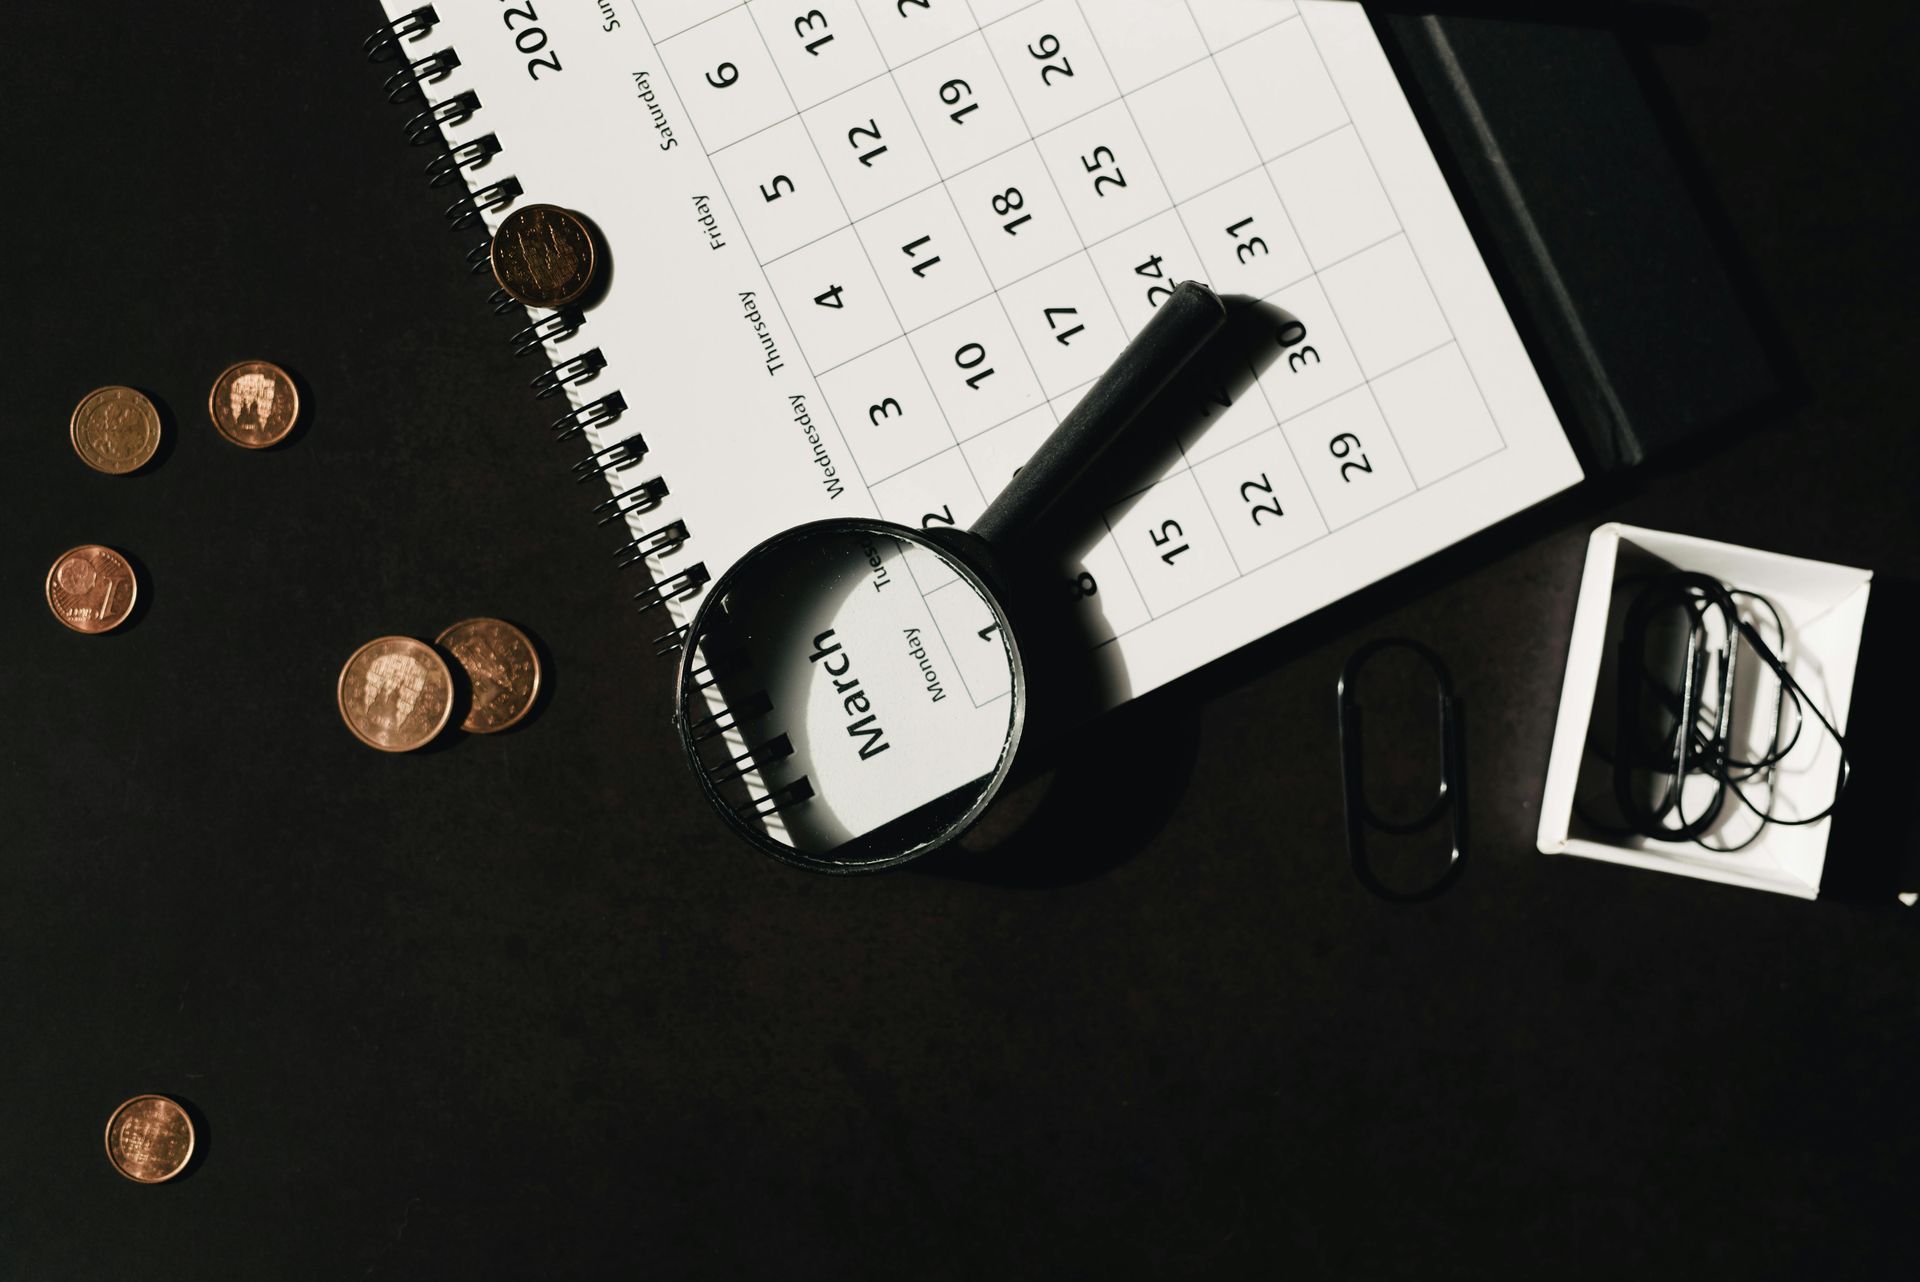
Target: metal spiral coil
point(744, 708)
point(455, 163)
point(791, 794)
point(405, 85)
point(384, 44)
point(668, 538)
point(445, 167)
point(597, 414)
point(424, 127)
point(551, 328)
point(467, 211)
point(778, 748)
point(643, 497)
point(672, 588)
point(555, 379)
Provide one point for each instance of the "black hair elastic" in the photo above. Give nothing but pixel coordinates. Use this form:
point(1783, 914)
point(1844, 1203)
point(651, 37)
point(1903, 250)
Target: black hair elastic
point(1673, 734)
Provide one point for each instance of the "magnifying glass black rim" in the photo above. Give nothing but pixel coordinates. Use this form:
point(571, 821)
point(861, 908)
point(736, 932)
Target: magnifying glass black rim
point(684, 689)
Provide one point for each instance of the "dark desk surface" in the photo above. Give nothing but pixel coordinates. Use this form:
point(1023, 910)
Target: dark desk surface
point(520, 1008)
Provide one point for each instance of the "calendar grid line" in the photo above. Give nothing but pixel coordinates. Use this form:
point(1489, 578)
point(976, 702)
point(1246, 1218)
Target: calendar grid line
point(1207, 501)
point(1033, 140)
point(1159, 177)
point(1277, 420)
point(1327, 532)
point(1213, 55)
point(1085, 250)
point(1393, 437)
point(1073, 119)
point(954, 205)
point(727, 196)
point(656, 41)
point(1049, 266)
point(953, 653)
point(1133, 579)
point(967, 231)
point(1411, 246)
point(888, 74)
point(1213, 516)
point(1399, 230)
point(793, 102)
point(691, 26)
point(799, 344)
point(1180, 130)
point(1294, 456)
point(1086, 244)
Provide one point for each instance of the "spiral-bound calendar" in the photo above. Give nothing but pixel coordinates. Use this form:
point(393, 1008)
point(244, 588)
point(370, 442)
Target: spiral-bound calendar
point(866, 253)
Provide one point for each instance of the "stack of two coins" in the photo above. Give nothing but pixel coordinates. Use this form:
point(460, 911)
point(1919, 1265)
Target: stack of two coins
point(398, 694)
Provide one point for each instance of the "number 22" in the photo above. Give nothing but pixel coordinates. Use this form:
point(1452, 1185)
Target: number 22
point(1262, 486)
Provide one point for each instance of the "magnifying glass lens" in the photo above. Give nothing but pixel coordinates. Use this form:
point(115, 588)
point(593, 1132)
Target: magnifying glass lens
point(849, 695)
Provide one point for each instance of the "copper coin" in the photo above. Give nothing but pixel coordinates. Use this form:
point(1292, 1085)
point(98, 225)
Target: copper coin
point(544, 255)
point(149, 1139)
point(115, 430)
point(503, 672)
point(254, 404)
point(395, 694)
point(91, 589)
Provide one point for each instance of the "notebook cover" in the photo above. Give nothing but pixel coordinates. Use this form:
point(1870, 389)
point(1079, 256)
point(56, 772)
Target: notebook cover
point(1582, 210)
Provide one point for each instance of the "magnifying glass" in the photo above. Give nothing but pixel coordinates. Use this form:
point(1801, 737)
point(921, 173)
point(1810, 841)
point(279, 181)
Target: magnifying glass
point(851, 693)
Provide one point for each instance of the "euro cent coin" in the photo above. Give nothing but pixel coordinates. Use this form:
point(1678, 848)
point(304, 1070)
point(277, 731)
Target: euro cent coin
point(149, 1139)
point(503, 672)
point(544, 256)
point(115, 430)
point(395, 694)
point(91, 588)
point(254, 404)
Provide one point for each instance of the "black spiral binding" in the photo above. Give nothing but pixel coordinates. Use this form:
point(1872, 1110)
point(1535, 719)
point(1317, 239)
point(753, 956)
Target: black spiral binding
point(445, 167)
point(408, 83)
point(424, 128)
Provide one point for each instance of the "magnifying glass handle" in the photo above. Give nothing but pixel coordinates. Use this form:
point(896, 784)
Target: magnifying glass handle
point(1180, 327)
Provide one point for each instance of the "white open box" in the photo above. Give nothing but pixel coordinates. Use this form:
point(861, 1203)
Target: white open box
point(1823, 606)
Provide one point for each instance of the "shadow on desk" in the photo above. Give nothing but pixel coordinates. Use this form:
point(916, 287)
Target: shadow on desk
point(1874, 851)
point(1095, 795)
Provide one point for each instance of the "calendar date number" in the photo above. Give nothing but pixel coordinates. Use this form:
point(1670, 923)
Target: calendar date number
point(1107, 175)
point(531, 40)
point(1046, 50)
point(811, 27)
point(1259, 498)
point(1346, 447)
point(1291, 335)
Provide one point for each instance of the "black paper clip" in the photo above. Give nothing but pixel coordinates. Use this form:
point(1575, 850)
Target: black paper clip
point(1449, 801)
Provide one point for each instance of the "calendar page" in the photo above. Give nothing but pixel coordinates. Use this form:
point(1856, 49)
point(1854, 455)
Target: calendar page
point(866, 253)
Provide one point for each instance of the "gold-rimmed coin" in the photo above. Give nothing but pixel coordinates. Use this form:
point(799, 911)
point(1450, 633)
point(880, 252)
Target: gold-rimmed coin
point(395, 694)
point(503, 672)
point(544, 256)
point(115, 430)
point(149, 1139)
point(91, 588)
point(254, 404)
